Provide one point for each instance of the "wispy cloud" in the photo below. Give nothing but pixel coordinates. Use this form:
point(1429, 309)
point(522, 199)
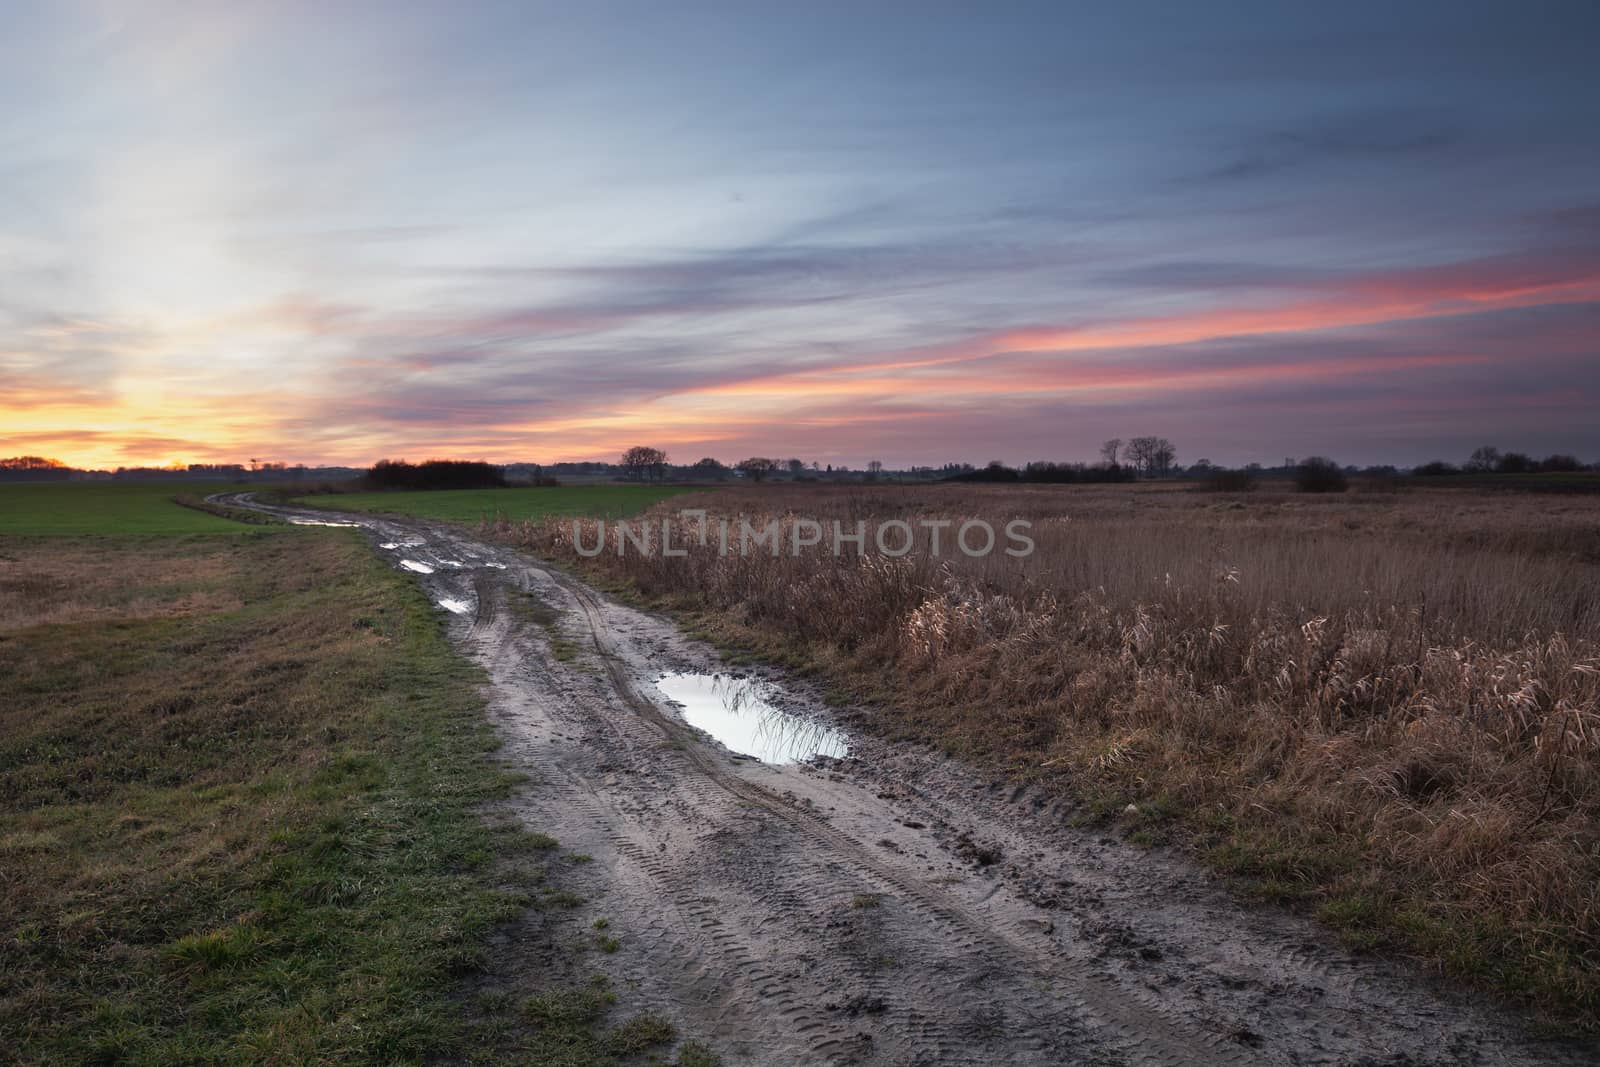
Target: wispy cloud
point(518, 232)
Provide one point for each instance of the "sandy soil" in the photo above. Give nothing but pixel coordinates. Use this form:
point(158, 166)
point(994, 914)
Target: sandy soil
point(890, 907)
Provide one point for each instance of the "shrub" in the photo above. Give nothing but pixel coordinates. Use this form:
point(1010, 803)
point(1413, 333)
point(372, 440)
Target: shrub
point(435, 474)
point(1319, 474)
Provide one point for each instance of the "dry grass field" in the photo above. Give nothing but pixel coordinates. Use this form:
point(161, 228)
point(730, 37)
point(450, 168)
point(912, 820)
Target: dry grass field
point(1384, 707)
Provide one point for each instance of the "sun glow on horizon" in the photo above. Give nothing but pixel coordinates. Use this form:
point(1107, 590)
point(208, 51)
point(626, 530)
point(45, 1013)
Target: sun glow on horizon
point(511, 235)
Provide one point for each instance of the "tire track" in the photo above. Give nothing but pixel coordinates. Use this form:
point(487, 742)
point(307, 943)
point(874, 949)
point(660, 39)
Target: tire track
point(1141, 1027)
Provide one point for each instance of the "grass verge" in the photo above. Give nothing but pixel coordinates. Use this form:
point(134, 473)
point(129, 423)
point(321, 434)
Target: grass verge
point(250, 826)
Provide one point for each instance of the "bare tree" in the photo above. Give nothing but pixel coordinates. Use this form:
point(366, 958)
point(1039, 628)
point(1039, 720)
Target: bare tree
point(1138, 453)
point(1109, 450)
point(796, 467)
point(756, 468)
point(642, 461)
point(1151, 455)
point(1484, 458)
point(1165, 455)
point(874, 468)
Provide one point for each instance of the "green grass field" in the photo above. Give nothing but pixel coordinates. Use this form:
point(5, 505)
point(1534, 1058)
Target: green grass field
point(67, 508)
point(248, 808)
point(471, 505)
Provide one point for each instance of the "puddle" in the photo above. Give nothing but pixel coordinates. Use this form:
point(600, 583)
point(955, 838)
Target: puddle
point(737, 713)
point(413, 565)
point(320, 522)
point(391, 545)
point(460, 607)
point(496, 566)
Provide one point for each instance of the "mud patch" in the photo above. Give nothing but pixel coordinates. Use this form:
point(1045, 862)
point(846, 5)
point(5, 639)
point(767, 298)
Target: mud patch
point(740, 713)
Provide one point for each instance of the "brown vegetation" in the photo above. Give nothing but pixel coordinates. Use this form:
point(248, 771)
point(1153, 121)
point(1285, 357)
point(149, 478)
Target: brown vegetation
point(58, 581)
point(1387, 706)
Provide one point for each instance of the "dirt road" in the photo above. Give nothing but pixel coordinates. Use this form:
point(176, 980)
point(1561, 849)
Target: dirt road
point(890, 907)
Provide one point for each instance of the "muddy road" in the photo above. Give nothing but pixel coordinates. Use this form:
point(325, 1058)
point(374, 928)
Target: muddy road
point(887, 907)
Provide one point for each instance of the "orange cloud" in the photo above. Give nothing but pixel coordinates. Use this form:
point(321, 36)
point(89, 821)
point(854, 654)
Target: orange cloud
point(1365, 301)
point(161, 408)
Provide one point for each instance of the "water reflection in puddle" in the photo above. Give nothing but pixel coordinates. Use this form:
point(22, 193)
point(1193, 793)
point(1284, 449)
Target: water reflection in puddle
point(738, 713)
point(460, 607)
point(413, 565)
point(320, 522)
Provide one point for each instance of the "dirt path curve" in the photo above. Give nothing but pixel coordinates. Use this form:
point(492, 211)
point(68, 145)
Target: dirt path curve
point(890, 907)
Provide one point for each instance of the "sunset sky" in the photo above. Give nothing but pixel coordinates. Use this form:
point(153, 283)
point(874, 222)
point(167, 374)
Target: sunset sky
point(910, 232)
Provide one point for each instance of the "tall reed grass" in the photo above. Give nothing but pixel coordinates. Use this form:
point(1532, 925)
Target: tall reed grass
point(1386, 705)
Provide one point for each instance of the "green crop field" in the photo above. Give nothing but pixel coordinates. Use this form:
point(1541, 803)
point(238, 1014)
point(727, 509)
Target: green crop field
point(70, 508)
point(470, 505)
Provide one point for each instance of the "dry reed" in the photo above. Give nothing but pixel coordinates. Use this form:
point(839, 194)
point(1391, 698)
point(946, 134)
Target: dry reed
point(1389, 705)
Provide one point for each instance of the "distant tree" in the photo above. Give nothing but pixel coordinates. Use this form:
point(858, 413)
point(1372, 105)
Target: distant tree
point(796, 467)
point(1435, 468)
point(1514, 463)
point(1110, 449)
point(434, 474)
point(1318, 474)
point(996, 471)
point(874, 468)
point(1560, 463)
point(756, 468)
point(1165, 456)
point(709, 467)
point(33, 469)
point(1484, 458)
point(1140, 454)
point(642, 461)
point(1151, 455)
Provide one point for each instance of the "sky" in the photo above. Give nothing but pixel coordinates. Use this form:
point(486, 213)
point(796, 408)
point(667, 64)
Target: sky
point(918, 233)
